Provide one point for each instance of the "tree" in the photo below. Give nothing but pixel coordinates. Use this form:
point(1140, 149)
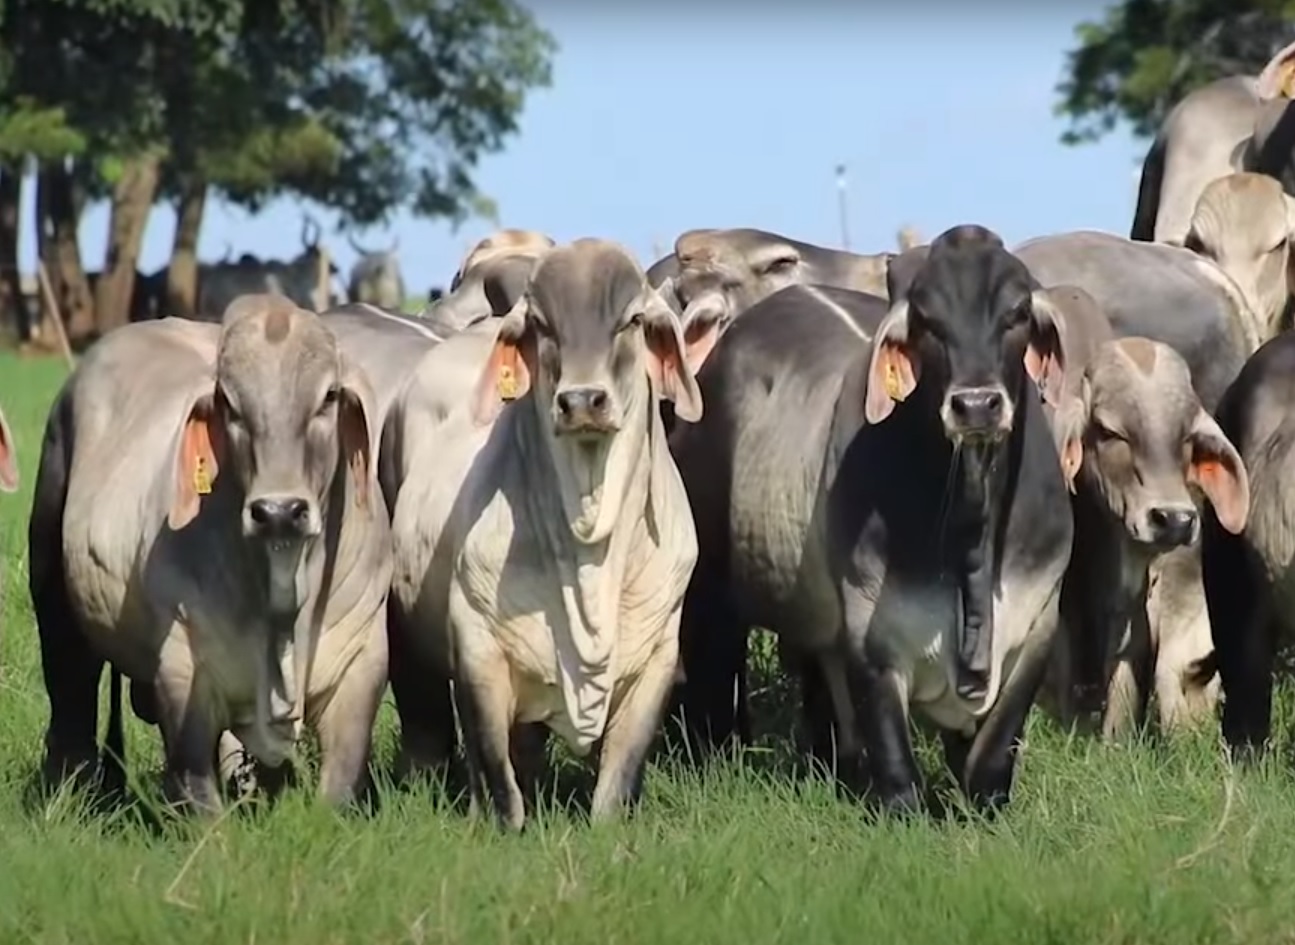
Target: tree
point(365, 105)
point(1146, 55)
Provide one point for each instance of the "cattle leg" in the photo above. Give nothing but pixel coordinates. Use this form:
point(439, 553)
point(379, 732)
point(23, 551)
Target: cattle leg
point(1244, 634)
point(190, 735)
point(631, 726)
point(989, 769)
point(345, 723)
point(1130, 677)
point(423, 703)
point(72, 670)
point(486, 706)
point(237, 770)
point(883, 724)
point(1185, 682)
point(713, 644)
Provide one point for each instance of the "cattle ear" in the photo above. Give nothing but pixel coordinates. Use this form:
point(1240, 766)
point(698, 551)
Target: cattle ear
point(1072, 421)
point(1216, 467)
point(893, 368)
point(199, 453)
point(355, 413)
point(1277, 80)
point(8, 461)
point(702, 321)
point(668, 365)
point(1045, 353)
point(507, 371)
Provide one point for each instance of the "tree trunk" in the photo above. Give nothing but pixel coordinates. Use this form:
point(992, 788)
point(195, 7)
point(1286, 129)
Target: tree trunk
point(13, 308)
point(132, 202)
point(182, 274)
point(58, 214)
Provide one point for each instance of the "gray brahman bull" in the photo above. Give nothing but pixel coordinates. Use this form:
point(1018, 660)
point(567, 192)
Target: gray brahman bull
point(1172, 296)
point(713, 276)
point(884, 492)
point(542, 549)
point(207, 519)
point(1248, 577)
point(490, 279)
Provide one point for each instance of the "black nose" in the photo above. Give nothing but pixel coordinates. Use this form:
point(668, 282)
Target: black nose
point(977, 409)
point(588, 401)
point(1172, 525)
point(279, 516)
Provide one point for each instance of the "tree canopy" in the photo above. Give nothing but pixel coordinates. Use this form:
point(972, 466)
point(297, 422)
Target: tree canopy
point(364, 106)
point(1145, 55)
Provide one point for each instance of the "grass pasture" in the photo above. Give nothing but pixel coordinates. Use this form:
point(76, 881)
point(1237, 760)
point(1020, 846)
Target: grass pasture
point(1153, 843)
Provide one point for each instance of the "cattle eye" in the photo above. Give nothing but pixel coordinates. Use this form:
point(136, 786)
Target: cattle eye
point(781, 264)
point(632, 322)
point(1104, 434)
point(330, 397)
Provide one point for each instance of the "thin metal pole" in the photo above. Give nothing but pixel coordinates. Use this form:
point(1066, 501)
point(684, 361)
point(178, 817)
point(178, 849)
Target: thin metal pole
point(842, 205)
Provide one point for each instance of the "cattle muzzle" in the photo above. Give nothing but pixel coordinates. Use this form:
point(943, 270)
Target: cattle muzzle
point(1172, 526)
point(977, 414)
point(281, 519)
point(585, 411)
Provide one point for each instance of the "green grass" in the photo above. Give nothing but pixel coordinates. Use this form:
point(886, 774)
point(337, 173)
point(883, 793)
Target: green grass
point(1161, 842)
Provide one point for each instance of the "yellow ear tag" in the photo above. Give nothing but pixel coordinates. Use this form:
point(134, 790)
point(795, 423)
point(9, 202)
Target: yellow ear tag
point(892, 381)
point(1288, 83)
point(507, 382)
point(201, 477)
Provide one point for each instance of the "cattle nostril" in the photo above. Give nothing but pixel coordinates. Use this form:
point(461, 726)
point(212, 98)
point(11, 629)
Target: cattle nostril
point(297, 509)
point(1173, 524)
point(262, 511)
point(597, 399)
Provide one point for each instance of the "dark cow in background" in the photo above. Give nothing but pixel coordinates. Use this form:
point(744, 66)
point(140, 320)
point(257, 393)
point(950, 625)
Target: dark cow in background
point(376, 278)
point(220, 284)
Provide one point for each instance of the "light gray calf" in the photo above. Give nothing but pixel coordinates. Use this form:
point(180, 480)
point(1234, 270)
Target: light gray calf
point(207, 520)
point(1243, 224)
point(1149, 448)
point(718, 274)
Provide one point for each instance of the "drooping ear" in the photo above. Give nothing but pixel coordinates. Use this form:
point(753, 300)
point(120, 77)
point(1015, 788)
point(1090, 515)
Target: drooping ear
point(1071, 420)
point(8, 461)
point(506, 374)
point(1216, 467)
point(355, 412)
point(668, 363)
point(702, 322)
point(1045, 353)
point(199, 453)
point(893, 367)
point(1277, 80)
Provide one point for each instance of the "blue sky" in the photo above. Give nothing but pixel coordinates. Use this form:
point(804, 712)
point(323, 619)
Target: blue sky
point(660, 120)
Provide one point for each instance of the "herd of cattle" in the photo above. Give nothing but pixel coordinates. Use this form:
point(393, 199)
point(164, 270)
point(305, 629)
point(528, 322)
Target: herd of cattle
point(955, 482)
point(375, 278)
